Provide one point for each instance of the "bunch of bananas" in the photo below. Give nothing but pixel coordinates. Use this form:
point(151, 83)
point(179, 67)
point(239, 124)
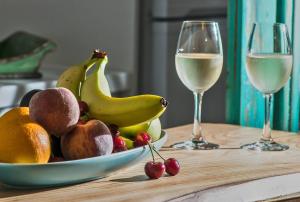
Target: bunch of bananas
point(94, 90)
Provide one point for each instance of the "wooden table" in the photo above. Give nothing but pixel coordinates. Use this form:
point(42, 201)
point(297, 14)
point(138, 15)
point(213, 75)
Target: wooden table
point(226, 174)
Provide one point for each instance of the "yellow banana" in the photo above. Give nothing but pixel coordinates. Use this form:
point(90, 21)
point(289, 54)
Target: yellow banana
point(73, 77)
point(119, 111)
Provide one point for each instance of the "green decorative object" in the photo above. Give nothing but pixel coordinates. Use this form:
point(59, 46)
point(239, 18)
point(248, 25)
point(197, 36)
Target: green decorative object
point(21, 54)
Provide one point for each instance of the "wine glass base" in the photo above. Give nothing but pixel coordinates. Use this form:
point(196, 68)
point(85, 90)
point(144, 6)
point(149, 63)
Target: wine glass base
point(195, 145)
point(265, 145)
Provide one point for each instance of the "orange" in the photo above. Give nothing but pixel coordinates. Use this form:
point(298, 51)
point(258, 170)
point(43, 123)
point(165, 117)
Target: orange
point(21, 139)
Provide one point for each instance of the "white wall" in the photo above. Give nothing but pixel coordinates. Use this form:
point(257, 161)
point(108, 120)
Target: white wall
point(77, 26)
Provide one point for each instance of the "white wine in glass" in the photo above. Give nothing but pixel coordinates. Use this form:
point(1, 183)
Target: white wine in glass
point(198, 71)
point(269, 65)
point(269, 72)
point(199, 61)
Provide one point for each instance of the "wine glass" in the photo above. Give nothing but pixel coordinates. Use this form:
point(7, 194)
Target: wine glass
point(269, 65)
point(199, 61)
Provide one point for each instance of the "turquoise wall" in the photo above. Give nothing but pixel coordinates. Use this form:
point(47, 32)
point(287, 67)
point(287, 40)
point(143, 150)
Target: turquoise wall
point(244, 104)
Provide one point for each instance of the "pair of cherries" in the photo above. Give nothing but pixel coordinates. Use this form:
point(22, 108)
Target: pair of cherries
point(153, 169)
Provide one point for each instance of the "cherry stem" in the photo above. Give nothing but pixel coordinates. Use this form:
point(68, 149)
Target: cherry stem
point(158, 154)
point(151, 151)
point(154, 149)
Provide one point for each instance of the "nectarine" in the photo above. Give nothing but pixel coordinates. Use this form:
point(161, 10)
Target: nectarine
point(87, 140)
point(56, 109)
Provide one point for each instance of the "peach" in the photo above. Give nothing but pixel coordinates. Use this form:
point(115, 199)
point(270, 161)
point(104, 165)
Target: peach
point(56, 109)
point(87, 140)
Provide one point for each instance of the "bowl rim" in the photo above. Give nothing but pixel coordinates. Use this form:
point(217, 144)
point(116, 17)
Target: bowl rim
point(163, 136)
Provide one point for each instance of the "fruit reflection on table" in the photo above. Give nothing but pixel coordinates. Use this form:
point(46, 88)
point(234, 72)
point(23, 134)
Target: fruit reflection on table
point(80, 119)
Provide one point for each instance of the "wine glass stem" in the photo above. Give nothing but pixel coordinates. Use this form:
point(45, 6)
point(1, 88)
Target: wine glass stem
point(267, 128)
point(197, 130)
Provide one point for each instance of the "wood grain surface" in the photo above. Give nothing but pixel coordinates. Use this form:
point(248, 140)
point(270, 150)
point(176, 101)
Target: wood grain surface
point(201, 170)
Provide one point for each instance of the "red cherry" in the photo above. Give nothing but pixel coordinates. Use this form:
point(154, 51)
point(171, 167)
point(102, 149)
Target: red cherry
point(119, 144)
point(172, 166)
point(142, 139)
point(83, 107)
point(154, 170)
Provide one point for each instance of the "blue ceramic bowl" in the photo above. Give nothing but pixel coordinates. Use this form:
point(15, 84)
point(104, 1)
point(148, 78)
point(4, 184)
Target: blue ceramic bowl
point(72, 172)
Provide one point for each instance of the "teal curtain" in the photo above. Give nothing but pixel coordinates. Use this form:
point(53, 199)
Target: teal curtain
point(244, 104)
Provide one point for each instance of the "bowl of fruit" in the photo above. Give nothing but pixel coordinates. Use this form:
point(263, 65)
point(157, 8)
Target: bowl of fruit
point(78, 132)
